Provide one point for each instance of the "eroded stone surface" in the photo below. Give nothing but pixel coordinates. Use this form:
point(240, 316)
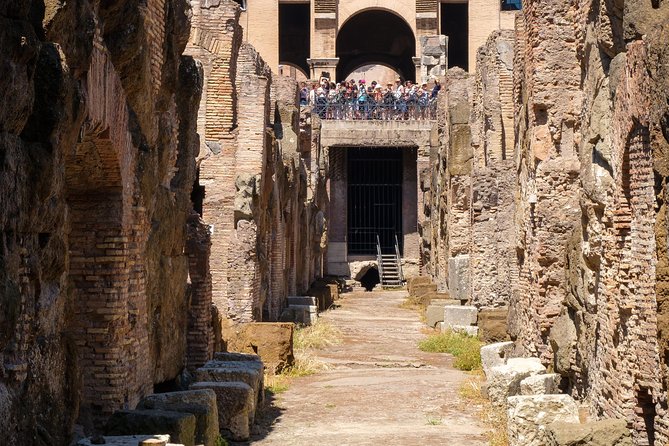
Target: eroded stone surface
point(504, 380)
point(530, 416)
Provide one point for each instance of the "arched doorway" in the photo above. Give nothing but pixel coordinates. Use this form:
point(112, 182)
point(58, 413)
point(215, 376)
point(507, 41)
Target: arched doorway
point(380, 73)
point(361, 42)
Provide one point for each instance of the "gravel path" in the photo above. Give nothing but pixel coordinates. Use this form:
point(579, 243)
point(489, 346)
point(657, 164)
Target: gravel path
point(379, 389)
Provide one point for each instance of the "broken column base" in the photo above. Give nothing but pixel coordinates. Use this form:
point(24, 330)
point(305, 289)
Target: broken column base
point(529, 417)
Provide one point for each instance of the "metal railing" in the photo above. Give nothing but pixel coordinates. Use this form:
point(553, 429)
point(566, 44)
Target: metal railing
point(379, 258)
point(370, 110)
point(399, 260)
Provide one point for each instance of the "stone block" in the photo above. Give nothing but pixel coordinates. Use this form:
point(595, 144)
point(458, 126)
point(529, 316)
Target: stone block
point(455, 315)
point(492, 324)
point(305, 314)
point(504, 380)
point(180, 426)
point(547, 384)
point(458, 275)
point(200, 403)
point(127, 440)
point(249, 372)
point(301, 300)
point(434, 314)
point(529, 417)
point(236, 356)
point(236, 407)
point(416, 281)
point(494, 355)
point(468, 330)
point(272, 341)
point(325, 293)
point(599, 433)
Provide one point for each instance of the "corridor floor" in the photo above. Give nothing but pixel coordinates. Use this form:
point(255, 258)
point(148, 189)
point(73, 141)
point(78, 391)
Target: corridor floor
point(378, 389)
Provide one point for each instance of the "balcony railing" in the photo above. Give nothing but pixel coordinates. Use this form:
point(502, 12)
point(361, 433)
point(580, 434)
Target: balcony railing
point(371, 110)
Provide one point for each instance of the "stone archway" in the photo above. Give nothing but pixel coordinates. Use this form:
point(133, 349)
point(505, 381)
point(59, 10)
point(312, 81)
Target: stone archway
point(106, 236)
point(359, 43)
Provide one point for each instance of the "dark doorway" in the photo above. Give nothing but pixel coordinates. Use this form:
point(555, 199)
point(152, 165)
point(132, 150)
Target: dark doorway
point(294, 35)
point(455, 25)
point(374, 200)
point(370, 279)
point(376, 36)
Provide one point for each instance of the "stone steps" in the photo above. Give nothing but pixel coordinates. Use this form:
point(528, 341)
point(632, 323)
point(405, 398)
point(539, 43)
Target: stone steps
point(227, 392)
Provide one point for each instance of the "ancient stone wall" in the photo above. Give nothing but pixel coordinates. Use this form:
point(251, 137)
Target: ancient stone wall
point(260, 176)
point(493, 269)
point(568, 217)
point(98, 147)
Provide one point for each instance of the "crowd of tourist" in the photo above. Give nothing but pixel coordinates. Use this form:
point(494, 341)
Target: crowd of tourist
point(359, 100)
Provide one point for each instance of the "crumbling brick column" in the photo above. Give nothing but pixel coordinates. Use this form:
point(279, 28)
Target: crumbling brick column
point(200, 337)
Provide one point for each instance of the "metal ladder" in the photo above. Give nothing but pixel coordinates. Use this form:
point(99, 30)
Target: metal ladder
point(390, 265)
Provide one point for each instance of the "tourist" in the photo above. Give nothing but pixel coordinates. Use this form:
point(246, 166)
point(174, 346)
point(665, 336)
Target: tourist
point(304, 94)
point(435, 89)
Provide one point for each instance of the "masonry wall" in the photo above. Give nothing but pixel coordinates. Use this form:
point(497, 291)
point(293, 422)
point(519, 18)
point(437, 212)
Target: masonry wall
point(98, 161)
point(260, 172)
point(568, 218)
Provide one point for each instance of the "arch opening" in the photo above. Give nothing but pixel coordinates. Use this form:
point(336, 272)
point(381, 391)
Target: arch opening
point(378, 72)
point(359, 43)
point(370, 279)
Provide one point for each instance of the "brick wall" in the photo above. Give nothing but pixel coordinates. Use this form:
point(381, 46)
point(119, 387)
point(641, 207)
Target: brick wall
point(255, 173)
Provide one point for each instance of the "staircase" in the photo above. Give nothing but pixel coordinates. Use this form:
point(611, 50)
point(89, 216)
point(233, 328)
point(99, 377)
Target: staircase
point(390, 266)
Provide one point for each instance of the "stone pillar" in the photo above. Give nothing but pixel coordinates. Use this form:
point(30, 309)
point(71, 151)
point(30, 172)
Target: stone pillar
point(416, 62)
point(323, 34)
point(434, 58)
point(323, 67)
point(337, 226)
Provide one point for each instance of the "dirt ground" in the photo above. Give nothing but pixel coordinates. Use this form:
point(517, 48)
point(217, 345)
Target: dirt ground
point(379, 389)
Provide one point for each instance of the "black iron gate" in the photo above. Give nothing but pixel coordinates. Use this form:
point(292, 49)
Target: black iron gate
point(374, 199)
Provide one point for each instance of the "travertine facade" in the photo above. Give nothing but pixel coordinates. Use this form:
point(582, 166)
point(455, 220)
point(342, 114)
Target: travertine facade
point(328, 17)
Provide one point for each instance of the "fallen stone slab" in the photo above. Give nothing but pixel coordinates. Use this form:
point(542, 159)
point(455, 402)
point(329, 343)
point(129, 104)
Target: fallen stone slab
point(415, 281)
point(546, 384)
point(236, 407)
point(529, 417)
point(598, 433)
point(179, 426)
point(504, 380)
point(455, 315)
point(495, 354)
point(301, 300)
point(272, 341)
point(200, 403)
point(128, 440)
point(492, 323)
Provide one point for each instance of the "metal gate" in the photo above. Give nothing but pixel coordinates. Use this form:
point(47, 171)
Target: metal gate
point(374, 199)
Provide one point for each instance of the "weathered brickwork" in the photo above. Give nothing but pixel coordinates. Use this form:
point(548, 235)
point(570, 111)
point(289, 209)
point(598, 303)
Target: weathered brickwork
point(200, 328)
point(262, 186)
point(567, 218)
point(99, 142)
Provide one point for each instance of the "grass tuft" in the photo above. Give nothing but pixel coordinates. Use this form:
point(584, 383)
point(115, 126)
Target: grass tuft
point(466, 349)
point(493, 418)
point(317, 336)
point(276, 384)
